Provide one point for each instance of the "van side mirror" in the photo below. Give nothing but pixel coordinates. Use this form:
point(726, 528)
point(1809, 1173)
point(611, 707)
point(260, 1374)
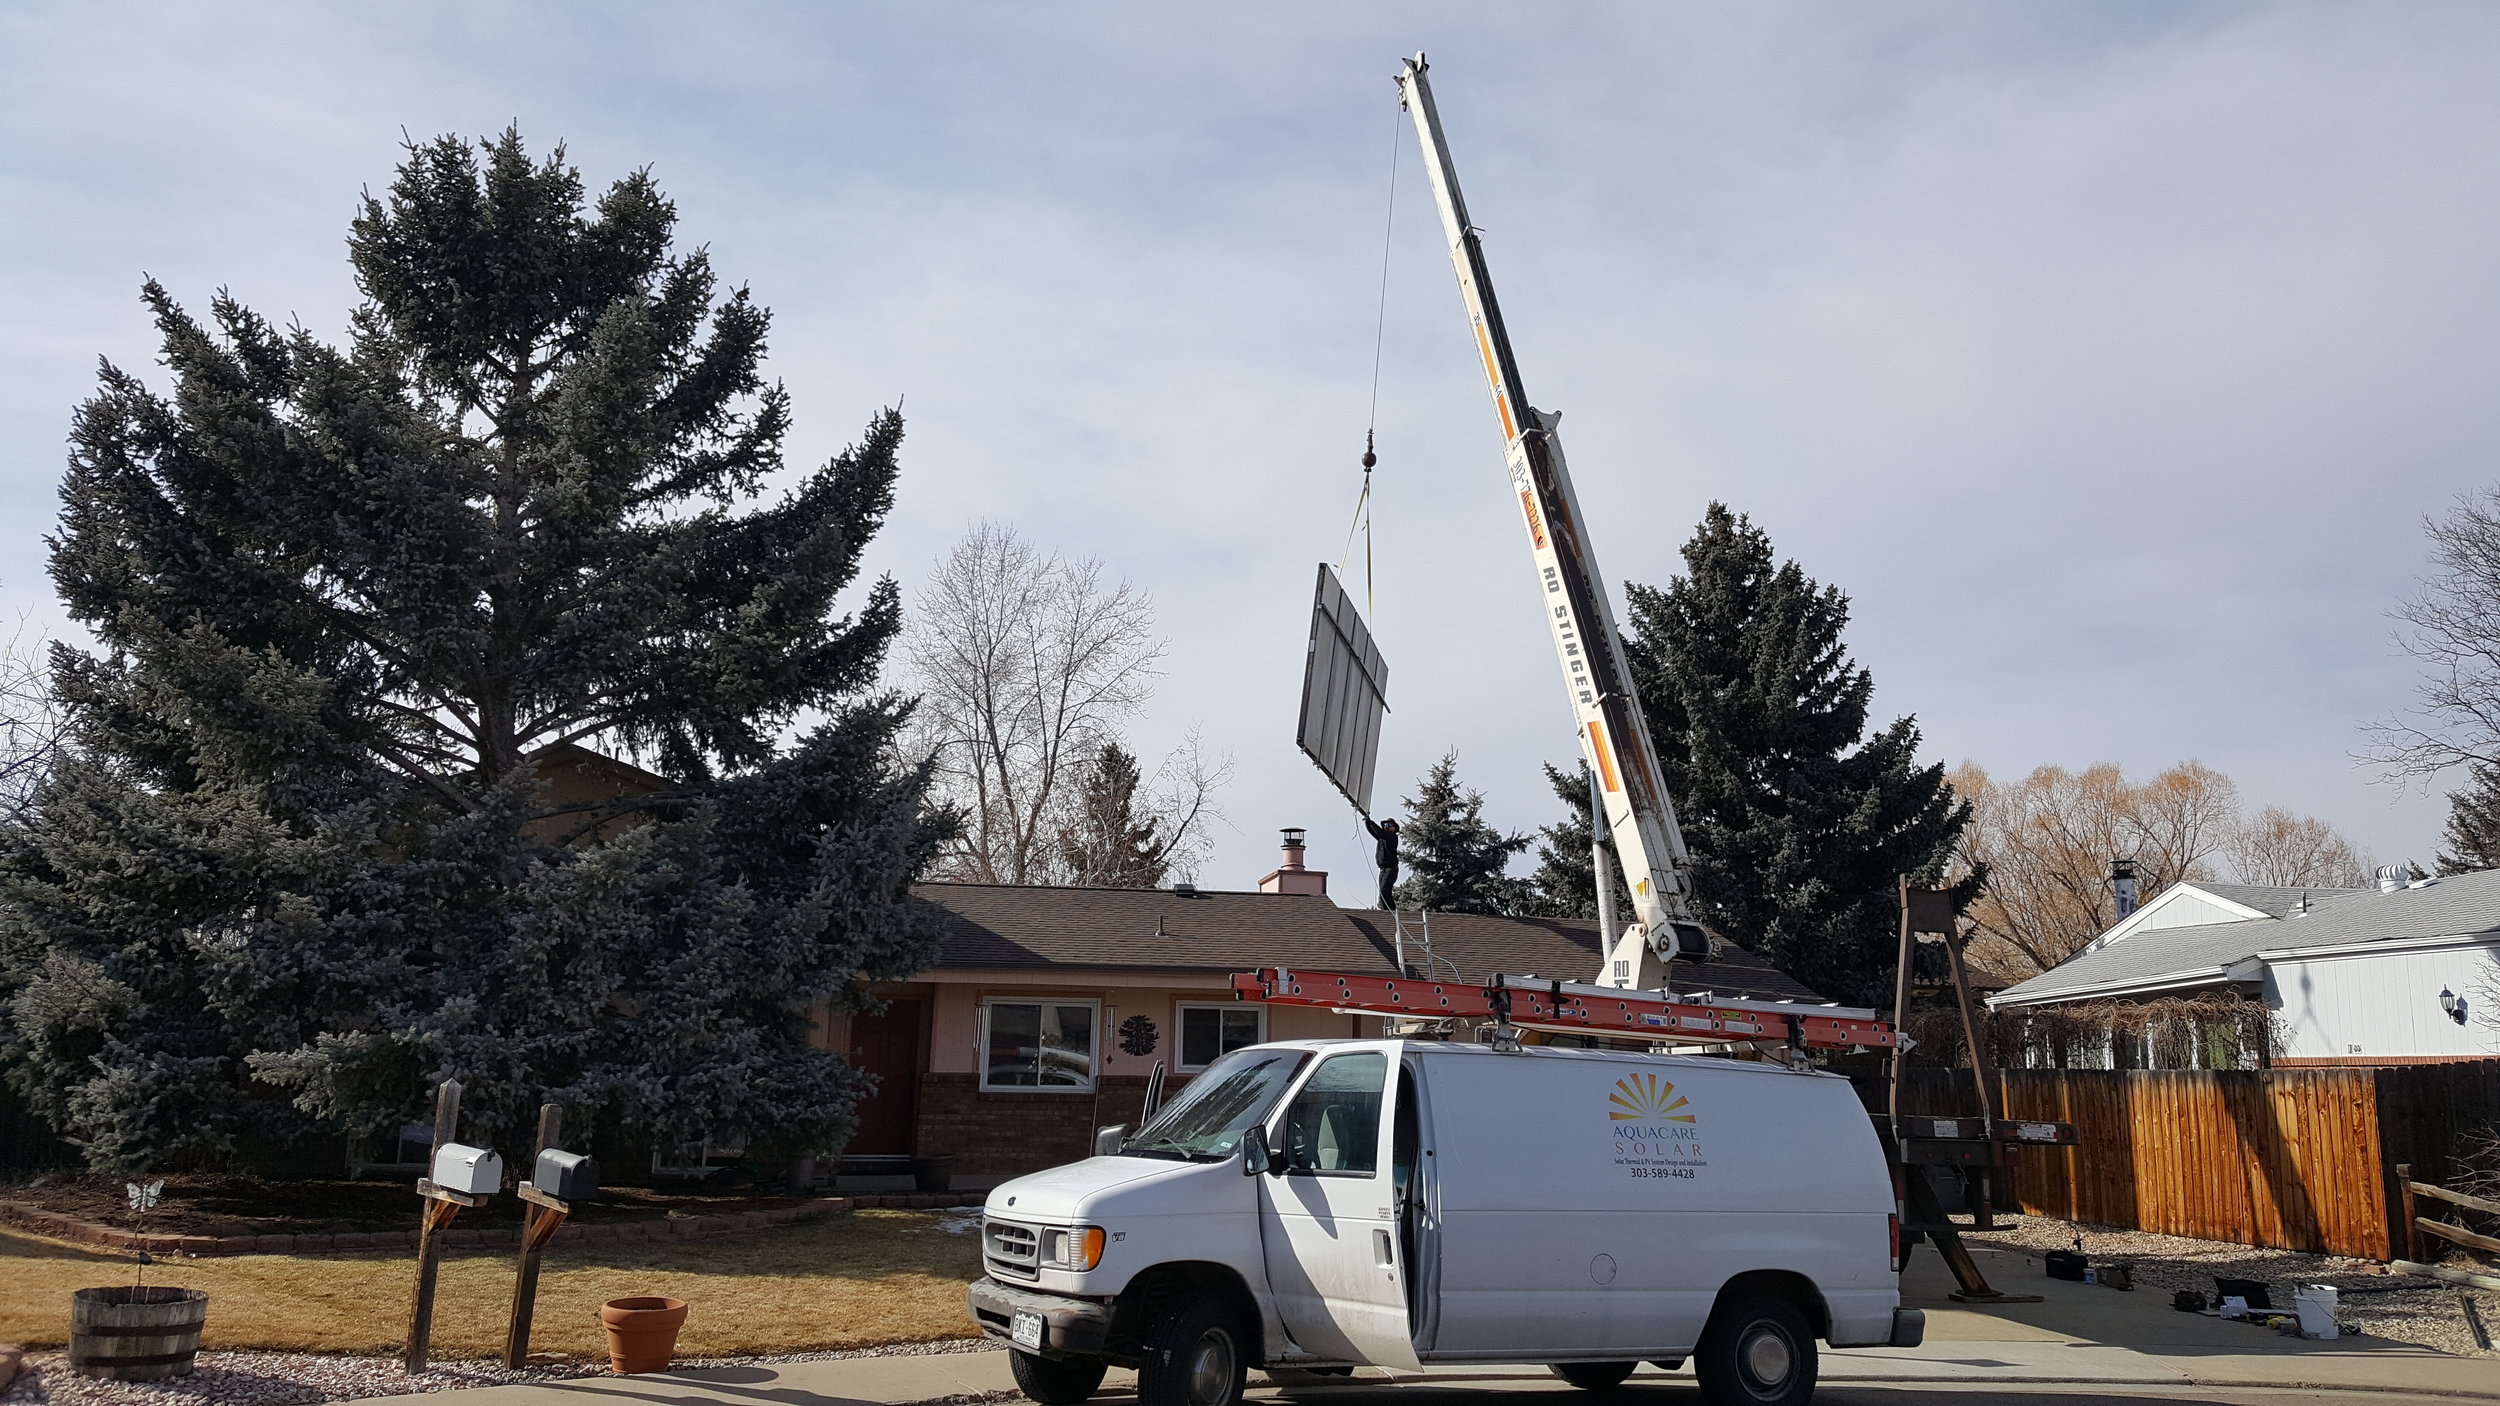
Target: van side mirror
point(1107, 1140)
point(1255, 1158)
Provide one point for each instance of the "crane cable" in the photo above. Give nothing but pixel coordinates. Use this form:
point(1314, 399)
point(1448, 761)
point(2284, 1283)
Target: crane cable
point(1380, 327)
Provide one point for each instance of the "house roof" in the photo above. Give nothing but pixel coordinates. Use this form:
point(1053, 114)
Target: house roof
point(1008, 925)
point(2270, 900)
point(2158, 959)
point(1024, 927)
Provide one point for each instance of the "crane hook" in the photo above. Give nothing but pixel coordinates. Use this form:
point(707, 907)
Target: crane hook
point(1369, 458)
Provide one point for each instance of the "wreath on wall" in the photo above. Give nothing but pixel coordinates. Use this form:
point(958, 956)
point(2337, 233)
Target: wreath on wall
point(1138, 1036)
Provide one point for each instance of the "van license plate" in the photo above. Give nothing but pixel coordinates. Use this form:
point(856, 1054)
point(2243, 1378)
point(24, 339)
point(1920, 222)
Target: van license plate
point(1028, 1330)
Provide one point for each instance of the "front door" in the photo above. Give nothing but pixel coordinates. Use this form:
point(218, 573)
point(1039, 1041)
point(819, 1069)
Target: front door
point(887, 1045)
point(1330, 1222)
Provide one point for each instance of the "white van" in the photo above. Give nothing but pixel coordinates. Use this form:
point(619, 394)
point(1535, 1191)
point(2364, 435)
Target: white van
point(1326, 1204)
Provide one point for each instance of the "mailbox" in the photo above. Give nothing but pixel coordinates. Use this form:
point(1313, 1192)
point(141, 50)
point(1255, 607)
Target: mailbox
point(471, 1171)
point(566, 1176)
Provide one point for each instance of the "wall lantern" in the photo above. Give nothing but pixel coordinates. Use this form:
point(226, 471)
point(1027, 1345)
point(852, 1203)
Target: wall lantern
point(2453, 1004)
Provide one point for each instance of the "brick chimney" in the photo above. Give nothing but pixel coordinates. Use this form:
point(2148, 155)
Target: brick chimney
point(1290, 876)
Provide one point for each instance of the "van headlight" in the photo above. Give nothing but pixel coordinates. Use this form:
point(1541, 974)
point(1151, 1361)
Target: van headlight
point(1079, 1249)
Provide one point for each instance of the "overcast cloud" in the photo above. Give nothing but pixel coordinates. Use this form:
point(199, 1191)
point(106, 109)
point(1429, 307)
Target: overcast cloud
point(2108, 355)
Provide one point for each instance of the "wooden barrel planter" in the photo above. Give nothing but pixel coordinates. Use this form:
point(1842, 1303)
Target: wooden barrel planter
point(127, 1334)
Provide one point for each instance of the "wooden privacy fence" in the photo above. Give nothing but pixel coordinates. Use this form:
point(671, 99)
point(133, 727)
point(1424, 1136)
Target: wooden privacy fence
point(2297, 1159)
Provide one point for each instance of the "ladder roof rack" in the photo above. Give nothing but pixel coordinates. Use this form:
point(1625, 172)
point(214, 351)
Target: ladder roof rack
point(1574, 1007)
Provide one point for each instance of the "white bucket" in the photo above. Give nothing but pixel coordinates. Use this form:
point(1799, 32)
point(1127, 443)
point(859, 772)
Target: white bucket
point(2315, 1303)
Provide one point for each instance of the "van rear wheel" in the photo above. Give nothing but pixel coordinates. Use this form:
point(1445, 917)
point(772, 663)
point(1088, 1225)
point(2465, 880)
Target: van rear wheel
point(1194, 1356)
point(1757, 1351)
point(1594, 1376)
point(1064, 1382)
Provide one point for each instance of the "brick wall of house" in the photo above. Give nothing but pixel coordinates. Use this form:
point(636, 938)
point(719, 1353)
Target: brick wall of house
point(1008, 1134)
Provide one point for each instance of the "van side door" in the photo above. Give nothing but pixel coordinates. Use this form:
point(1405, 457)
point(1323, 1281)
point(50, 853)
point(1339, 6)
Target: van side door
point(1329, 1222)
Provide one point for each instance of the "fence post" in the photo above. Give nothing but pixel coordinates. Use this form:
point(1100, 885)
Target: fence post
point(2409, 1236)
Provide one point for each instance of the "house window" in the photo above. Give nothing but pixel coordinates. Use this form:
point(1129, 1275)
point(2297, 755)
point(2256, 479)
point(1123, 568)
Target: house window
point(1208, 1033)
point(1038, 1045)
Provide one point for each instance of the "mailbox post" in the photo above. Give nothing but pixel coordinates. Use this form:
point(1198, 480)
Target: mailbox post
point(557, 1179)
point(461, 1176)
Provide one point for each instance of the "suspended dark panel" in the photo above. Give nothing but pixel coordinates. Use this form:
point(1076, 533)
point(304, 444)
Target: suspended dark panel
point(1345, 690)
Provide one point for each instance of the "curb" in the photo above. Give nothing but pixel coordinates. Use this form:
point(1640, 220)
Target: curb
point(60, 1226)
point(1311, 1390)
point(2443, 1392)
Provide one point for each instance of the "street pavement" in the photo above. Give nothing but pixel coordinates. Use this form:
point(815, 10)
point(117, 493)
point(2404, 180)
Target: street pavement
point(2084, 1345)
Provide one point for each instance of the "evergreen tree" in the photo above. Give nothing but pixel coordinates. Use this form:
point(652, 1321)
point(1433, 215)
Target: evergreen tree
point(1109, 844)
point(303, 858)
point(2472, 839)
point(1565, 882)
point(1455, 861)
point(1799, 821)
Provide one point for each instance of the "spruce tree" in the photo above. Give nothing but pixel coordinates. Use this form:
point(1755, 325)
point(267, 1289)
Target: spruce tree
point(353, 605)
point(1456, 862)
point(1109, 844)
point(2472, 839)
point(1799, 820)
point(1565, 882)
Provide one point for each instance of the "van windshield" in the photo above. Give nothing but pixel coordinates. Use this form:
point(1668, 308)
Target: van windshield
point(1205, 1121)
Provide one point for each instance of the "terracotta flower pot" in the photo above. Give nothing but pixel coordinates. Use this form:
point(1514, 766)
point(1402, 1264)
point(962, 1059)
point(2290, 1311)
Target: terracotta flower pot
point(642, 1332)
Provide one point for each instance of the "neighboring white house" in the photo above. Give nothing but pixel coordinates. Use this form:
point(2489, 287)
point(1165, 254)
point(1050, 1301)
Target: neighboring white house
point(2399, 974)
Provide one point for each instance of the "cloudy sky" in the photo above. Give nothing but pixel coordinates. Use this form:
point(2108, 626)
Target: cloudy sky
point(2108, 355)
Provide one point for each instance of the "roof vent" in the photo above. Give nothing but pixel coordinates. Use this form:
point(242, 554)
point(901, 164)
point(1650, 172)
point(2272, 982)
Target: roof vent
point(1185, 889)
point(2407, 875)
point(2301, 909)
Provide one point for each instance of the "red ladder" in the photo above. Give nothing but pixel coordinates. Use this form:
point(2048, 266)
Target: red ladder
point(1574, 1007)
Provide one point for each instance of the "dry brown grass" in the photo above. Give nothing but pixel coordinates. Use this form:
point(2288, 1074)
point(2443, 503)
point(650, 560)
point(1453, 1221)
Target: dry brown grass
point(861, 1280)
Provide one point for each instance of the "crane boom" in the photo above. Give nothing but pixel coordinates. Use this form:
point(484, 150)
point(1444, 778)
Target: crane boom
point(1639, 816)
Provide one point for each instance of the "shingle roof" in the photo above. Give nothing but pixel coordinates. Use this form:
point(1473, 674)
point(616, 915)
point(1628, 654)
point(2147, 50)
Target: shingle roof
point(2268, 899)
point(1005, 926)
point(2455, 906)
point(1568, 948)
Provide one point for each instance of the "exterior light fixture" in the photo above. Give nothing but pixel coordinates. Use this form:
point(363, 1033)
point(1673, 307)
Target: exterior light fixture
point(2453, 1004)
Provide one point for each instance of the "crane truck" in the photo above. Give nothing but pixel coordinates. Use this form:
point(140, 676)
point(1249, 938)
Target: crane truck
point(1636, 812)
point(1314, 1206)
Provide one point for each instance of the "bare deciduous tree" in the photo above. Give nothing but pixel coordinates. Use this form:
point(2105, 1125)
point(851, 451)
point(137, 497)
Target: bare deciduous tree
point(31, 725)
point(1029, 664)
point(2048, 840)
point(1132, 831)
point(2452, 626)
point(2276, 847)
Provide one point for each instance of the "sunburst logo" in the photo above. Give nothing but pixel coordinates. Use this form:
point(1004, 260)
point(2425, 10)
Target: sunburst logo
point(1646, 1098)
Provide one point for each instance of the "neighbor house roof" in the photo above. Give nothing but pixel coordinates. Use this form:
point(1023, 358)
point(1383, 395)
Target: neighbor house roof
point(1003, 926)
point(2271, 900)
point(2158, 960)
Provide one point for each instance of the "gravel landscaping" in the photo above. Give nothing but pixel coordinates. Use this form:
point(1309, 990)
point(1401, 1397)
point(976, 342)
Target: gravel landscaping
point(2373, 1302)
point(298, 1378)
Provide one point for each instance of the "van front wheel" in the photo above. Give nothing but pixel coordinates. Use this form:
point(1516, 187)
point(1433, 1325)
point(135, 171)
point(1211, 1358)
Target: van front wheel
point(1757, 1351)
point(1065, 1382)
point(1193, 1356)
